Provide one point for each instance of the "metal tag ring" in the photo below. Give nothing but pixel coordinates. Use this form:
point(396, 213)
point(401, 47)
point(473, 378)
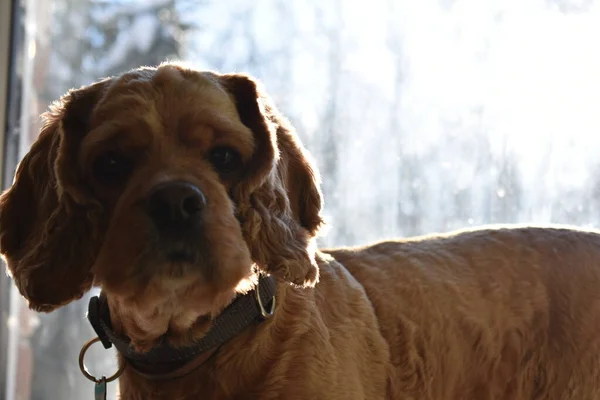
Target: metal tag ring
point(265, 313)
point(84, 370)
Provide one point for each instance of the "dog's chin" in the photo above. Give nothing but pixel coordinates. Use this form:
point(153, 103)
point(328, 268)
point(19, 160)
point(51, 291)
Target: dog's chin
point(182, 267)
point(175, 298)
point(180, 256)
point(178, 309)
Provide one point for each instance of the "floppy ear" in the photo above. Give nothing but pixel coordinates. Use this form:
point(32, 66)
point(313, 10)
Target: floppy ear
point(48, 223)
point(278, 199)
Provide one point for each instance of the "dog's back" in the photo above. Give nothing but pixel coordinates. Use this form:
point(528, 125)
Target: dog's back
point(488, 314)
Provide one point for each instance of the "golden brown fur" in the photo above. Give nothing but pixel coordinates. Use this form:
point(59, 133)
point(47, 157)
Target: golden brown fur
point(484, 314)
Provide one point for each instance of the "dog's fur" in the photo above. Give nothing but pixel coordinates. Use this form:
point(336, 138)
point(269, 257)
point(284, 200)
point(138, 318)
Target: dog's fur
point(484, 314)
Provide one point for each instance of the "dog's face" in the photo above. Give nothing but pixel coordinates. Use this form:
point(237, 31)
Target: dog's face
point(165, 187)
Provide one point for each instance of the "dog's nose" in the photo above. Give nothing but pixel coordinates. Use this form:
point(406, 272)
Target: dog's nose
point(175, 205)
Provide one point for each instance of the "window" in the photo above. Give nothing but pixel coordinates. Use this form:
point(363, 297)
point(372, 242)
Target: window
point(423, 116)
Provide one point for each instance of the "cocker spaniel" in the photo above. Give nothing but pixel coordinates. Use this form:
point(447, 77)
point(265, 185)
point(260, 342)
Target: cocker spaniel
point(189, 200)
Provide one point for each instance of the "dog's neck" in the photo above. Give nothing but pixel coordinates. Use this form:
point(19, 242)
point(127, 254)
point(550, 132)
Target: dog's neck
point(165, 360)
point(178, 314)
point(245, 357)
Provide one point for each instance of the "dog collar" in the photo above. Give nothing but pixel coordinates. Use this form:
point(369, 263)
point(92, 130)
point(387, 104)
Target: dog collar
point(166, 362)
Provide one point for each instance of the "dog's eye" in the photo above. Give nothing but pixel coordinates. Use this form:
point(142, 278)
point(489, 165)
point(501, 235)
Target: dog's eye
point(111, 168)
point(225, 159)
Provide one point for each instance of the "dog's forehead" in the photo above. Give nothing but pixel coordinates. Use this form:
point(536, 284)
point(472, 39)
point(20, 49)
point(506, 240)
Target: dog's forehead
point(171, 101)
point(167, 92)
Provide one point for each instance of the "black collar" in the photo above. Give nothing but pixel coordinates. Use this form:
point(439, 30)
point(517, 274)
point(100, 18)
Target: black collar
point(164, 361)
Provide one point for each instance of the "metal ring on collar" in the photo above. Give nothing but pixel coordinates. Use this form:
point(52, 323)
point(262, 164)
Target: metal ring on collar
point(265, 314)
point(84, 370)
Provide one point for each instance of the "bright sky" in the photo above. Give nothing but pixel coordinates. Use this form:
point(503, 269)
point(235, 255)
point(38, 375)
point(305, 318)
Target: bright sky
point(534, 69)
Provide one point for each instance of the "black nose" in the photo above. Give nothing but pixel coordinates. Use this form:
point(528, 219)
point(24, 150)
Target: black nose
point(175, 205)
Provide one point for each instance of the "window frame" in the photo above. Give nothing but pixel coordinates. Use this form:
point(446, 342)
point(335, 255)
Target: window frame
point(11, 30)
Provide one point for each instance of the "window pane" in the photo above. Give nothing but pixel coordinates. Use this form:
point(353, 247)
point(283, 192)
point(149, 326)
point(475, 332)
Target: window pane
point(422, 116)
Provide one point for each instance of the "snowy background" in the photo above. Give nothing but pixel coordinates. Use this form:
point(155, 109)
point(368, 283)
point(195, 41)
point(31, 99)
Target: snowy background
point(423, 115)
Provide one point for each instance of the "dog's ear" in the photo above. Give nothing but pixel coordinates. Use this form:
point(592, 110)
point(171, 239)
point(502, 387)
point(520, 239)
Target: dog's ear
point(48, 224)
point(302, 182)
point(278, 199)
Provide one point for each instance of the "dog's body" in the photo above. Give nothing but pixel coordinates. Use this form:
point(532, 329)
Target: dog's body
point(488, 314)
point(503, 314)
point(173, 190)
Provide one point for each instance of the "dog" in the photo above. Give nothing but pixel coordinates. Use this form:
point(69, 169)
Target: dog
point(190, 201)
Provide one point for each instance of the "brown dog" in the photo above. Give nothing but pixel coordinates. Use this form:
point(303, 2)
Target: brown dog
point(173, 189)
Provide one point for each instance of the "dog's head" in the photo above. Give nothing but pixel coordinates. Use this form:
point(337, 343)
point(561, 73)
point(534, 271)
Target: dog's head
point(164, 186)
